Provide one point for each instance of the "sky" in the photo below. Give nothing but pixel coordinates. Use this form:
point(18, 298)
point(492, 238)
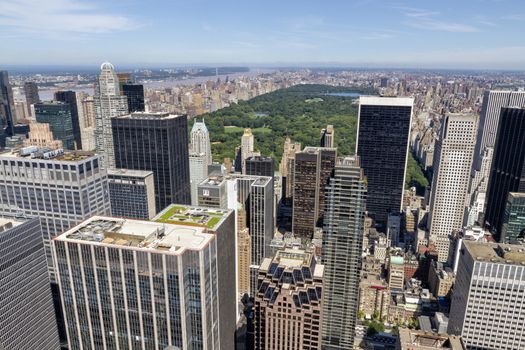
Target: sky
point(479, 34)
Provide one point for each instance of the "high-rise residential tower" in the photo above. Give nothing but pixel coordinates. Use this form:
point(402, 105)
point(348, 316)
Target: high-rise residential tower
point(382, 144)
point(31, 92)
point(508, 166)
point(27, 319)
point(147, 284)
point(198, 173)
point(342, 244)
point(87, 121)
point(70, 97)
point(328, 137)
point(453, 157)
point(7, 108)
point(487, 304)
point(200, 140)
point(157, 142)
point(287, 168)
point(58, 116)
point(108, 103)
point(313, 168)
point(289, 301)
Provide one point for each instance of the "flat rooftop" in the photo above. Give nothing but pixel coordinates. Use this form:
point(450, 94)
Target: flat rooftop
point(213, 181)
point(149, 115)
point(35, 153)
point(130, 173)
point(7, 222)
point(420, 340)
point(386, 101)
point(290, 257)
point(209, 218)
point(512, 254)
point(173, 239)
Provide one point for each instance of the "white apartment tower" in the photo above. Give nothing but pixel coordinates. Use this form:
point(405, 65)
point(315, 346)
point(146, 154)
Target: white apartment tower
point(453, 159)
point(108, 104)
point(247, 147)
point(200, 140)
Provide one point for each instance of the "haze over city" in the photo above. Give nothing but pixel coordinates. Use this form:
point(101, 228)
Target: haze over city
point(474, 34)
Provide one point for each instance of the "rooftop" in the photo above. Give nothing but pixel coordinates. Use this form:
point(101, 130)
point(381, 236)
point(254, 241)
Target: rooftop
point(130, 172)
point(33, 152)
point(149, 115)
point(192, 216)
point(175, 239)
point(386, 101)
point(290, 257)
point(512, 254)
point(8, 222)
point(420, 340)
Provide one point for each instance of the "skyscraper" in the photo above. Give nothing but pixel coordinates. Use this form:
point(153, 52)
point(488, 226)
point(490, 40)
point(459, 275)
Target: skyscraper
point(135, 96)
point(513, 226)
point(198, 173)
point(287, 168)
point(327, 137)
point(28, 317)
point(7, 108)
point(132, 193)
point(31, 92)
point(260, 166)
point(108, 103)
point(313, 168)
point(62, 189)
point(247, 147)
point(70, 97)
point(58, 116)
point(156, 142)
point(342, 244)
point(488, 299)
point(144, 284)
point(382, 144)
point(244, 252)
point(88, 122)
point(200, 140)
point(453, 157)
point(508, 166)
point(40, 135)
point(288, 303)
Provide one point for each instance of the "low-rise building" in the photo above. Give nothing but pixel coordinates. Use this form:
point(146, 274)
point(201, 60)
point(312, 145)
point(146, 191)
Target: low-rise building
point(419, 340)
point(440, 279)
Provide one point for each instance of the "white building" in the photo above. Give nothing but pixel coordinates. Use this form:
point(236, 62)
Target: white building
point(488, 302)
point(200, 141)
point(452, 167)
point(198, 173)
point(247, 147)
point(108, 104)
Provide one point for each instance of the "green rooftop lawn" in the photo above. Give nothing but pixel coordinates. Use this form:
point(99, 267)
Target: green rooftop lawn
point(172, 216)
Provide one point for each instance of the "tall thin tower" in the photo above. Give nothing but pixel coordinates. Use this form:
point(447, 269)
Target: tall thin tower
point(200, 140)
point(342, 241)
point(453, 157)
point(108, 103)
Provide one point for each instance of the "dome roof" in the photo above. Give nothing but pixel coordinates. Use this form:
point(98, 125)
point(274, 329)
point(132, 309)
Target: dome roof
point(107, 66)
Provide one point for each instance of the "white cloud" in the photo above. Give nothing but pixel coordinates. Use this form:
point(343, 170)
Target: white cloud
point(428, 20)
point(60, 17)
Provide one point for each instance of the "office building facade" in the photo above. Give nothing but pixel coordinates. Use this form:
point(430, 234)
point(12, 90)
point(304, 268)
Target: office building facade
point(58, 116)
point(513, 226)
point(328, 137)
point(312, 171)
point(342, 245)
point(383, 144)
point(132, 193)
point(495, 270)
point(143, 284)
point(157, 142)
point(70, 97)
point(260, 166)
point(62, 189)
point(198, 173)
point(289, 302)
point(7, 108)
point(108, 103)
point(135, 96)
point(28, 318)
point(453, 158)
point(508, 166)
point(31, 93)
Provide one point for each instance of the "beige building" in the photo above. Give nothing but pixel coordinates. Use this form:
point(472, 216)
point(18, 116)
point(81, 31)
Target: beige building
point(440, 279)
point(374, 296)
point(419, 340)
point(287, 165)
point(288, 305)
point(41, 136)
point(396, 272)
point(244, 252)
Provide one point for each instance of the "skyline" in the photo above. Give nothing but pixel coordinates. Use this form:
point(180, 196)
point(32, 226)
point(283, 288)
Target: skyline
point(448, 35)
